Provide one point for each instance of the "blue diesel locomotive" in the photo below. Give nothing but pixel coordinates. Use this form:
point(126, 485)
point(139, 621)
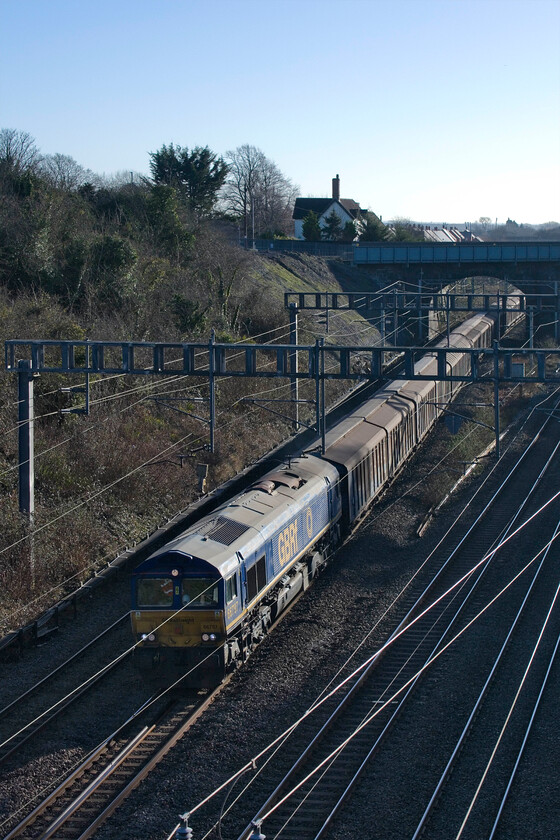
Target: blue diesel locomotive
point(203, 602)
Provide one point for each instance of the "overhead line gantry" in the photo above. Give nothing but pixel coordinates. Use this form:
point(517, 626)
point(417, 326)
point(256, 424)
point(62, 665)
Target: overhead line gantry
point(319, 362)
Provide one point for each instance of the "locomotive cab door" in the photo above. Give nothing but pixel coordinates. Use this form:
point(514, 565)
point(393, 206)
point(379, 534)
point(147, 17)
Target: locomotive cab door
point(243, 573)
point(330, 498)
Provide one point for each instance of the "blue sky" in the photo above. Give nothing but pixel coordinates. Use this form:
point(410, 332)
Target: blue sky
point(436, 110)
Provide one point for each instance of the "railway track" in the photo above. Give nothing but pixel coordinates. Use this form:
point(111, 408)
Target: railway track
point(95, 789)
point(384, 707)
point(24, 717)
point(121, 747)
point(486, 754)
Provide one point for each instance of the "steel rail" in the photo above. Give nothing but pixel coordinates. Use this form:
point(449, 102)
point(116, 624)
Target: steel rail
point(59, 791)
point(162, 752)
point(525, 739)
point(61, 667)
point(94, 786)
point(481, 698)
point(134, 761)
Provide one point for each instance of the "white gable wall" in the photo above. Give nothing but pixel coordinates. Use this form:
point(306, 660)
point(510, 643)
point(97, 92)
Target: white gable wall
point(342, 214)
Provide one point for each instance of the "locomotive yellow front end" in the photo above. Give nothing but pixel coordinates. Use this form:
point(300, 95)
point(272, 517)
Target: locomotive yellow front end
point(178, 623)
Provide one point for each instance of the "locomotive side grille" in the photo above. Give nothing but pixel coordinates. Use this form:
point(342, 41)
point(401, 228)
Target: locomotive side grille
point(224, 531)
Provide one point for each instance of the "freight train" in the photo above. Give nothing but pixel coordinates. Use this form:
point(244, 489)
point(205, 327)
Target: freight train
point(202, 602)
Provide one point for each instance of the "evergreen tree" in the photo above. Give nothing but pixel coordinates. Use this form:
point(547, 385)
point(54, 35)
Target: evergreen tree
point(332, 229)
point(373, 229)
point(311, 227)
point(349, 232)
point(197, 175)
point(170, 236)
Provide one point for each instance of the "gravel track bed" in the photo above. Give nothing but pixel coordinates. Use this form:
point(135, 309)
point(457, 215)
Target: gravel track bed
point(434, 719)
point(52, 753)
point(279, 682)
point(94, 614)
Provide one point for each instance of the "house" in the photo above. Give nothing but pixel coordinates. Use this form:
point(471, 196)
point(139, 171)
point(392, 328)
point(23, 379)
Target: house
point(346, 209)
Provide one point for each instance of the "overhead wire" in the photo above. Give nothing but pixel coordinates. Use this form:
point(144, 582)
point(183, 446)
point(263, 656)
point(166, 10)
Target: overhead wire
point(322, 698)
point(110, 485)
point(379, 708)
point(108, 378)
point(283, 386)
point(358, 670)
point(107, 487)
point(91, 426)
point(344, 666)
point(470, 502)
point(178, 377)
point(93, 564)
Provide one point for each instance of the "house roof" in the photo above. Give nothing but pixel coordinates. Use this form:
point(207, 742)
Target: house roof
point(352, 206)
point(320, 205)
point(303, 206)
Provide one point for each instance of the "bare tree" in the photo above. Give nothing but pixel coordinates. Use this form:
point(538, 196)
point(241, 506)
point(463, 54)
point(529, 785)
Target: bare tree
point(256, 192)
point(18, 150)
point(64, 173)
point(275, 200)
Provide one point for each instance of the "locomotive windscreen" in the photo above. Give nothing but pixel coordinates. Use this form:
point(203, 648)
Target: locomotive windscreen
point(154, 592)
point(200, 592)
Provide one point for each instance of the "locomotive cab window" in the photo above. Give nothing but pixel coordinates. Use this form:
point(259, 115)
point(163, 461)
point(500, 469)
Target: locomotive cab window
point(154, 592)
point(231, 588)
point(199, 592)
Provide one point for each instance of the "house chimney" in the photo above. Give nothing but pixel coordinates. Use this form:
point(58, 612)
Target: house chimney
point(336, 188)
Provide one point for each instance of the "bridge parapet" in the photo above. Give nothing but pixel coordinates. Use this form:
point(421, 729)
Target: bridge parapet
point(480, 252)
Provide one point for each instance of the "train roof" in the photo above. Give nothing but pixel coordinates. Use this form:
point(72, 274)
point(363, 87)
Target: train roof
point(462, 336)
point(352, 447)
point(356, 418)
point(250, 518)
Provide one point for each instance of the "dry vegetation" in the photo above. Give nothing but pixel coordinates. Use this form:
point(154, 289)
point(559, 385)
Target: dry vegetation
point(131, 262)
point(106, 480)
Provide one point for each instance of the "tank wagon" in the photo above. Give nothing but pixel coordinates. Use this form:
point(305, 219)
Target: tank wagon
point(201, 603)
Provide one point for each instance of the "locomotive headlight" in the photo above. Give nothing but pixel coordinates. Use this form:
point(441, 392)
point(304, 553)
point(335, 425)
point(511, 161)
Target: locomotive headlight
point(148, 637)
point(213, 637)
point(175, 572)
point(205, 637)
